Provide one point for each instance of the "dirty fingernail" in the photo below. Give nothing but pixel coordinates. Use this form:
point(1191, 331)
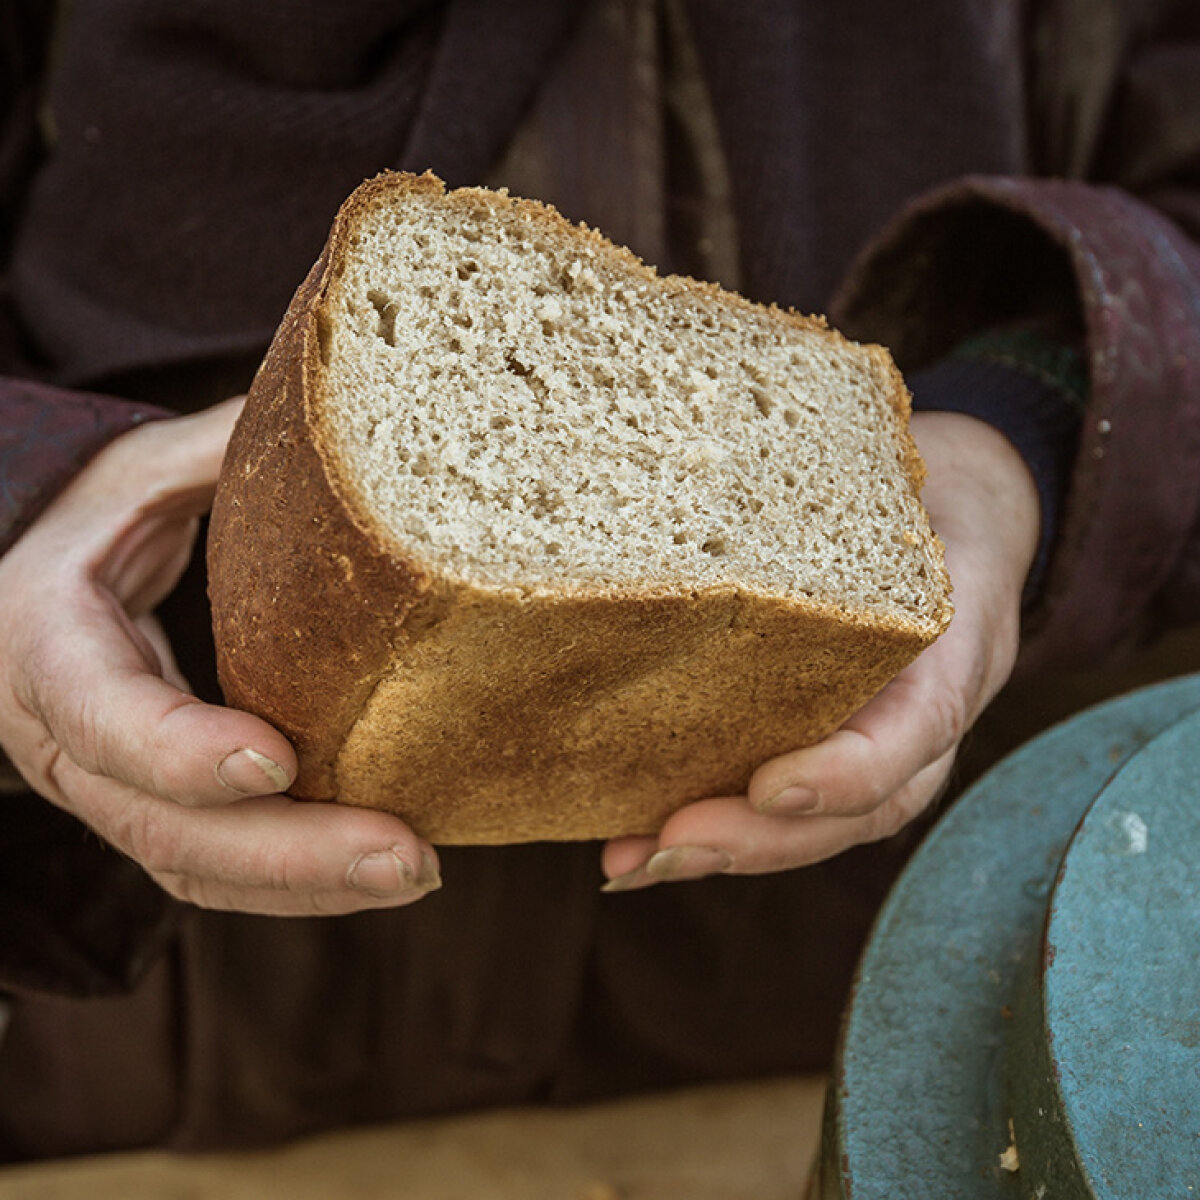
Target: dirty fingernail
point(384, 874)
point(688, 862)
point(429, 878)
point(631, 881)
point(792, 801)
point(252, 774)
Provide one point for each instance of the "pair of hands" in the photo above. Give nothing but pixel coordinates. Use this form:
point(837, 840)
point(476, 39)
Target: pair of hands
point(95, 715)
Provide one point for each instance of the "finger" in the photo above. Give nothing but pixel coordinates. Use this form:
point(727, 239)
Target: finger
point(725, 835)
point(108, 710)
point(756, 843)
point(159, 648)
point(266, 854)
point(917, 718)
point(621, 856)
point(169, 466)
point(147, 558)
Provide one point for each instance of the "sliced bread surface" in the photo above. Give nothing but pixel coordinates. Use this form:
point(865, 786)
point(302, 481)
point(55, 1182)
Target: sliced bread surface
point(520, 540)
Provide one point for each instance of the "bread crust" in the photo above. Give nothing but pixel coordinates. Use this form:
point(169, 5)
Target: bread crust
point(284, 554)
point(503, 715)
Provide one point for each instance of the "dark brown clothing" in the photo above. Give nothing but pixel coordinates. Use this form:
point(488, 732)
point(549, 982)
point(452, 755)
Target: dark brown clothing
point(193, 155)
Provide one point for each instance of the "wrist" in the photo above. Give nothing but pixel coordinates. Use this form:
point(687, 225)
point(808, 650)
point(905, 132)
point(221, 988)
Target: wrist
point(1033, 391)
point(980, 493)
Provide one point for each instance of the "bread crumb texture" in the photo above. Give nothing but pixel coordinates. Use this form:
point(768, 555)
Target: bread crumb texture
point(534, 409)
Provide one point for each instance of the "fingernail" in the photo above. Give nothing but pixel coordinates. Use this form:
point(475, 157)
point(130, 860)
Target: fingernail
point(252, 774)
point(383, 873)
point(792, 801)
point(631, 881)
point(687, 862)
point(429, 878)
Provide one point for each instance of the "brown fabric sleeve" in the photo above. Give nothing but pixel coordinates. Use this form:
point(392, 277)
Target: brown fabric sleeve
point(983, 250)
point(47, 436)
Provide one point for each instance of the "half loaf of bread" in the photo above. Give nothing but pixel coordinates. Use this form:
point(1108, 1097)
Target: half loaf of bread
point(519, 540)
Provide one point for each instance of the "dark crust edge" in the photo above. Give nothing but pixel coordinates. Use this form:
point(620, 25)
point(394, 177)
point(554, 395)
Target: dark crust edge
point(283, 556)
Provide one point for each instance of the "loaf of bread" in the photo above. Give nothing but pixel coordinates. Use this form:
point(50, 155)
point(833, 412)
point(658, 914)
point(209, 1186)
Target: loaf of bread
point(519, 540)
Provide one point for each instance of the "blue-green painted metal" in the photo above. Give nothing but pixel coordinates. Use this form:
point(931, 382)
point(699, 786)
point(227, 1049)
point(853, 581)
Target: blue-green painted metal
point(918, 1105)
point(1111, 1016)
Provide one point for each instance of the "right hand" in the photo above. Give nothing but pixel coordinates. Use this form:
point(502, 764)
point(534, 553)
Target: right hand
point(96, 717)
point(889, 762)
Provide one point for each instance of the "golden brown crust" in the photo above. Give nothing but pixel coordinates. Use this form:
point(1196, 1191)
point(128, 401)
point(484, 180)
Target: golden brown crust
point(501, 716)
point(520, 718)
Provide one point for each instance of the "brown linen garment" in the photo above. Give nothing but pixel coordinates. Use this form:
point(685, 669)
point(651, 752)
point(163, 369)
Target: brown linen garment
point(181, 200)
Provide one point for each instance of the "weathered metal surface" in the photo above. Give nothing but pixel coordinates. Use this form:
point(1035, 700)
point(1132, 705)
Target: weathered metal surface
point(917, 1104)
point(1105, 1077)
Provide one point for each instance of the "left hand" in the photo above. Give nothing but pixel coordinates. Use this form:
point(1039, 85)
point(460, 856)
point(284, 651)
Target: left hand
point(96, 716)
point(890, 760)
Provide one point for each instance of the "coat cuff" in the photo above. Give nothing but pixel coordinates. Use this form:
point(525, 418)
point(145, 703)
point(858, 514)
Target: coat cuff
point(47, 436)
point(983, 252)
point(54, 935)
point(1031, 391)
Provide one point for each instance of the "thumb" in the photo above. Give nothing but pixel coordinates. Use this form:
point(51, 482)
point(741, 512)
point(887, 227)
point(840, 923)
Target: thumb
point(164, 469)
point(111, 712)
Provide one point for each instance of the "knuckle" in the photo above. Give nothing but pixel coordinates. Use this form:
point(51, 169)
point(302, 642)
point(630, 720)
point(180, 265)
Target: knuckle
point(874, 796)
point(176, 783)
point(271, 865)
point(291, 877)
point(949, 719)
point(143, 830)
point(70, 722)
point(37, 660)
point(867, 786)
point(887, 820)
point(81, 732)
point(279, 874)
point(171, 770)
point(906, 804)
point(42, 766)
